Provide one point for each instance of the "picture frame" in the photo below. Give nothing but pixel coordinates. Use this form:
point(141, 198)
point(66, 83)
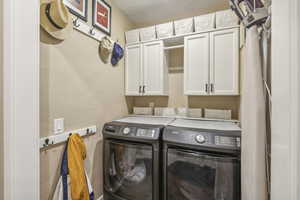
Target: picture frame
point(102, 13)
point(79, 8)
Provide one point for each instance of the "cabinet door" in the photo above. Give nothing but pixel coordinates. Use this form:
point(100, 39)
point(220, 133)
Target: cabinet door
point(224, 63)
point(196, 64)
point(153, 68)
point(133, 70)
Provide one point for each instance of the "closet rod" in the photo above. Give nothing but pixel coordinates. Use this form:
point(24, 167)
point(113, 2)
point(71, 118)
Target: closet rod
point(174, 47)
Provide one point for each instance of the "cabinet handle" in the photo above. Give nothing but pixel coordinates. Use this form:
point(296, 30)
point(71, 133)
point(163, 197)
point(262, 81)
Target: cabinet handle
point(206, 88)
point(140, 89)
point(212, 87)
point(144, 87)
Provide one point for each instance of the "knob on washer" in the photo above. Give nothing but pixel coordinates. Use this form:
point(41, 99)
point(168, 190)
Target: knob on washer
point(126, 131)
point(200, 139)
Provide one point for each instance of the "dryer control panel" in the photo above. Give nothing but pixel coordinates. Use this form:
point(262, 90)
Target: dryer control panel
point(228, 140)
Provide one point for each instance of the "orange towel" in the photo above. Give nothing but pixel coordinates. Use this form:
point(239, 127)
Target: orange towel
point(76, 156)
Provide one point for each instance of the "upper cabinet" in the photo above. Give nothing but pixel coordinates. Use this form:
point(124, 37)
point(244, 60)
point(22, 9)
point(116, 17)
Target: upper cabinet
point(146, 71)
point(196, 64)
point(133, 69)
point(154, 69)
point(212, 63)
point(224, 62)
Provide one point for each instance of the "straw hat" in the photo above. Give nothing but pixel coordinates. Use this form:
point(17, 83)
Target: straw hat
point(56, 19)
point(105, 48)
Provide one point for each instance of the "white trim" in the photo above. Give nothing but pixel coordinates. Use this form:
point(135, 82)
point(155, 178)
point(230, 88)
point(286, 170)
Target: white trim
point(21, 99)
point(285, 96)
point(295, 100)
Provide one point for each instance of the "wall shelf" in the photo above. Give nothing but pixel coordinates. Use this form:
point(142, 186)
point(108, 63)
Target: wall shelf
point(174, 47)
point(177, 40)
point(176, 69)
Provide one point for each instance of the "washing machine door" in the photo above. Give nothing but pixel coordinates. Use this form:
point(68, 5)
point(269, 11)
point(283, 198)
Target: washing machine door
point(193, 175)
point(128, 170)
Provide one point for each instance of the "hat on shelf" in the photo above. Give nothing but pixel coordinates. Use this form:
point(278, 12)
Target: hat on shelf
point(56, 19)
point(117, 55)
point(105, 48)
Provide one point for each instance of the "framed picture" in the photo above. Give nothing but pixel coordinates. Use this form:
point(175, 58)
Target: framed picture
point(79, 8)
point(102, 16)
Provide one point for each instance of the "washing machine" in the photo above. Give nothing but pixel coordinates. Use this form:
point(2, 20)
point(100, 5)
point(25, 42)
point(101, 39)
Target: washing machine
point(201, 160)
point(132, 158)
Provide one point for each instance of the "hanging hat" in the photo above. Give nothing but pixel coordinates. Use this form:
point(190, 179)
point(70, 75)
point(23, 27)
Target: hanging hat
point(56, 19)
point(117, 55)
point(105, 48)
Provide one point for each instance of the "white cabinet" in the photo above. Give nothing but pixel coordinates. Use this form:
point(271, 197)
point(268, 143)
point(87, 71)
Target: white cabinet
point(224, 62)
point(146, 71)
point(154, 69)
point(133, 70)
point(212, 63)
point(196, 62)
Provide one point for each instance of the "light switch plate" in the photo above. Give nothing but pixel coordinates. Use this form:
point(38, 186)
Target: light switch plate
point(151, 104)
point(59, 126)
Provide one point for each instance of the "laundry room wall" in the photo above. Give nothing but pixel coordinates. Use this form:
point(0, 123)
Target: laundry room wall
point(176, 96)
point(1, 106)
point(77, 86)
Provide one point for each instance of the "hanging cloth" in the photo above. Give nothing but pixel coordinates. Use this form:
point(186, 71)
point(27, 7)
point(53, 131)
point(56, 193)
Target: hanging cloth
point(253, 121)
point(76, 156)
point(266, 49)
point(74, 183)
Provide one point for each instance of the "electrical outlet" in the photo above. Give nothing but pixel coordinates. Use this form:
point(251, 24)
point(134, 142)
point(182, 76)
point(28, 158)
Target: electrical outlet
point(151, 104)
point(59, 126)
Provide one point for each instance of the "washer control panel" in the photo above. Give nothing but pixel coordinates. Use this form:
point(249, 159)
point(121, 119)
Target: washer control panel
point(132, 131)
point(227, 141)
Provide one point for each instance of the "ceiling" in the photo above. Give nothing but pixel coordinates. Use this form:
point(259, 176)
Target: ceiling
point(148, 12)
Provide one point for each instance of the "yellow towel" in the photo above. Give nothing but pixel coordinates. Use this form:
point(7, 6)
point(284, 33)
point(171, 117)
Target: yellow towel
point(76, 156)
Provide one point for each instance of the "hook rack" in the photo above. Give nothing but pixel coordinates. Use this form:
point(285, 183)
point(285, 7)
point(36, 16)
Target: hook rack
point(87, 30)
point(60, 138)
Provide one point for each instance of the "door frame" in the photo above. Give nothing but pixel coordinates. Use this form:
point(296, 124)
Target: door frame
point(21, 99)
point(285, 100)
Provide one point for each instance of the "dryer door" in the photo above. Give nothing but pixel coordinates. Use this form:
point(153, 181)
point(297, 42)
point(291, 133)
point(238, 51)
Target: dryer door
point(193, 175)
point(128, 170)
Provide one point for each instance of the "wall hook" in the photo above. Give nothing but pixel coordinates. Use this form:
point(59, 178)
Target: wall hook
point(46, 142)
point(92, 31)
point(75, 22)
